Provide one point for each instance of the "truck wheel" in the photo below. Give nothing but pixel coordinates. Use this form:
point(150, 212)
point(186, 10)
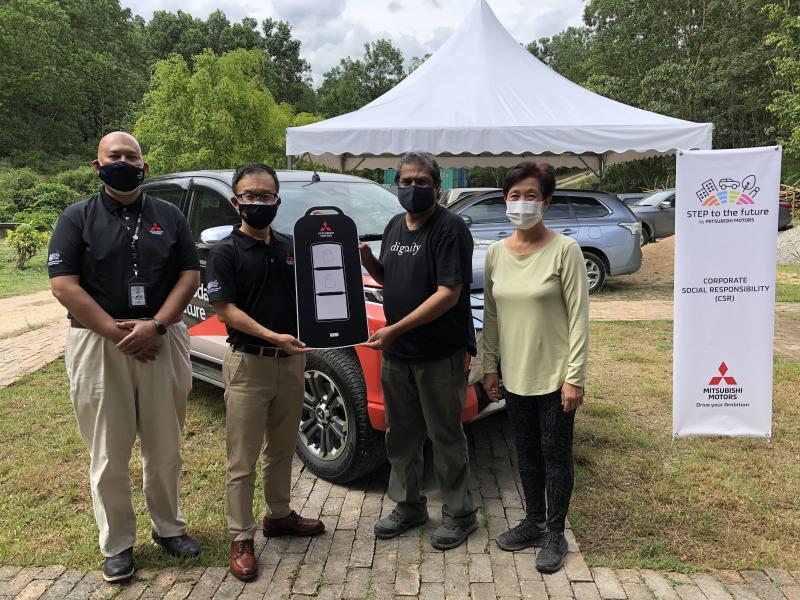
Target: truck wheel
point(336, 440)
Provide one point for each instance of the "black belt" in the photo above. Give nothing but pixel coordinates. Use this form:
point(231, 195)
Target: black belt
point(73, 322)
point(273, 351)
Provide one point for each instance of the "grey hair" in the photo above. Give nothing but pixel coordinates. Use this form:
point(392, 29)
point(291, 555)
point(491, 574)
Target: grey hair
point(422, 159)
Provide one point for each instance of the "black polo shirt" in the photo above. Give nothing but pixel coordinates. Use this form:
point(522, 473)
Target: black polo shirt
point(259, 278)
point(92, 239)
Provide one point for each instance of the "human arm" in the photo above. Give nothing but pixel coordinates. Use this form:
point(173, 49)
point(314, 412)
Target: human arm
point(230, 314)
point(371, 264)
point(490, 340)
point(575, 291)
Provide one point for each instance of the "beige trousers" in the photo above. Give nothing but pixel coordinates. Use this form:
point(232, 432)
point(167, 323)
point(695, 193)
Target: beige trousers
point(263, 404)
point(116, 398)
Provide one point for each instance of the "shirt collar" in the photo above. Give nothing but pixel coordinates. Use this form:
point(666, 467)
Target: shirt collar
point(248, 242)
point(114, 206)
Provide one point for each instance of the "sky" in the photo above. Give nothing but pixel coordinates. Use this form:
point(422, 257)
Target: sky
point(333, 29)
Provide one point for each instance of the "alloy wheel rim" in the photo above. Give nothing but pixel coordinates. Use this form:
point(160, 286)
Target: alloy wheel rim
point(593, 272)
point(324, 426)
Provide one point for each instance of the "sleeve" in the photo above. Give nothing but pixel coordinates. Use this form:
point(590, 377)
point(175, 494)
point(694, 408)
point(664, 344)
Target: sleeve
point(454, 257)
point(188, 260)
point(490, 340)
point(221, 275)
point(575, 290)
point(65, 253)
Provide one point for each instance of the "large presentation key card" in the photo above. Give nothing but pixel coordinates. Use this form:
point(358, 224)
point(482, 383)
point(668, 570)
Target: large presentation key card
point(330, 292)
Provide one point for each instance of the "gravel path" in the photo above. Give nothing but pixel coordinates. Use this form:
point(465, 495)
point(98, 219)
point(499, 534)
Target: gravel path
point(789, 247)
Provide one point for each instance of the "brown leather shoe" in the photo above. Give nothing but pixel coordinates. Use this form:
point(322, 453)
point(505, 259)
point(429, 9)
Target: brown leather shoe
point(243, 560)
point(292, 524)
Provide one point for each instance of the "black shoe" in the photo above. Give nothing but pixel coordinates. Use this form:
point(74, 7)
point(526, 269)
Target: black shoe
point(180, 546)
point(451, 535)
point(396, 523)
point(553, 553)
point(119, 567)
point(524, 535)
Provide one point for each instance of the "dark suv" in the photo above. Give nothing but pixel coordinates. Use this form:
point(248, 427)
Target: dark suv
point(607, 231)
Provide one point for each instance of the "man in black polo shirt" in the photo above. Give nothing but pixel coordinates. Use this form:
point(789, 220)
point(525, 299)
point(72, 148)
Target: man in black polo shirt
point(251, 285)
point(426, 269)
point(124, 265)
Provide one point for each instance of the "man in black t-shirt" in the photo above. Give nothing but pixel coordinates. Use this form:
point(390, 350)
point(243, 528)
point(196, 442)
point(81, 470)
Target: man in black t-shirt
point(425, 267)
point(251, 285)
point(124, 264)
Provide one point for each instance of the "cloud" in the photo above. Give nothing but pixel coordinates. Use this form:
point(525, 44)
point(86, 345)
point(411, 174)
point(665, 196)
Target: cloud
point(434, 3)
point(394, 7)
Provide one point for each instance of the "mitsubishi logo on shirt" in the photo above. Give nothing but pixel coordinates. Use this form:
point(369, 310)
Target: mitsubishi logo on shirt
point(155, 229)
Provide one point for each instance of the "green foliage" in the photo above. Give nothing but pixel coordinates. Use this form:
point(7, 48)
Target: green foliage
point(354, 83)
point(26, 241)
point(213, 114)
point(786, 100)
point(566, 52)
point(47, 197)
point(82, 180)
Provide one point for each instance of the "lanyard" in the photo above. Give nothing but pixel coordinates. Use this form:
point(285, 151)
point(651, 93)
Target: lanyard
point(134, 238)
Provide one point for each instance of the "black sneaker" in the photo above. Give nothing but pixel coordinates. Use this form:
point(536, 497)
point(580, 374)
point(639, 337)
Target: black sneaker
point(553, 553)
point(119, 567)
point(451, 535)
point(524, 535)
point(396, 523)
point(180, 546)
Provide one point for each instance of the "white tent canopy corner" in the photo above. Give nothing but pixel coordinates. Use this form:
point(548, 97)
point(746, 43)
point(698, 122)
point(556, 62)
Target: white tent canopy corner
point(483, 100)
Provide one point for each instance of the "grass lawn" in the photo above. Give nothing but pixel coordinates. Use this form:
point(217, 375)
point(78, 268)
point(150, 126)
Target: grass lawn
point(640, 500)
point(14, 282)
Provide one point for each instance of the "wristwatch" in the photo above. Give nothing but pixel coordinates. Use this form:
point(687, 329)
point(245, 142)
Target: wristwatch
point(160, 327)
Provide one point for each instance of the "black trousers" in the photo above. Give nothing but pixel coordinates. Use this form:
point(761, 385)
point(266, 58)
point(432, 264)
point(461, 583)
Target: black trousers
point(543, 433)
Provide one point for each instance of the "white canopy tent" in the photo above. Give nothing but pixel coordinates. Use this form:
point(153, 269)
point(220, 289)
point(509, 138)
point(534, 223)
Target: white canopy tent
point(483, 100)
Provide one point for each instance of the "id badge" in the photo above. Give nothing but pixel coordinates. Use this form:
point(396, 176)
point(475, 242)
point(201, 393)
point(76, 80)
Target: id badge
point(137, 294)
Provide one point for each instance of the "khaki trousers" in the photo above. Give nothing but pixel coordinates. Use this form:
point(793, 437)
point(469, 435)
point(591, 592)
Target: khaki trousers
point(263, 404)
point(117, 398)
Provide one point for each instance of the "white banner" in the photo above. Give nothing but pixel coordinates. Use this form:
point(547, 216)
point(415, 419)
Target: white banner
point(726, 222)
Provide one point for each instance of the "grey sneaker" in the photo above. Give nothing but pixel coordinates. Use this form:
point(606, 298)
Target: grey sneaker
point(451, 535)
point(396, 523)
point(524, 535)
point(553, 553)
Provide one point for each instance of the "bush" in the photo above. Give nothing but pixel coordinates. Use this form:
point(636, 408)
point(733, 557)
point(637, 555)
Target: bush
point(82, 180)
point(15, 181)
point(47, 197)
point(26, 241)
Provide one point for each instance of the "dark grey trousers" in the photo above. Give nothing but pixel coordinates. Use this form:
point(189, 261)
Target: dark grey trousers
point(425, 399)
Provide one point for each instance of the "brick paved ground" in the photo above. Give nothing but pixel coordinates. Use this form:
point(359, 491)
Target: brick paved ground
point(30, 351)
point(347, 562)
point(29, 311)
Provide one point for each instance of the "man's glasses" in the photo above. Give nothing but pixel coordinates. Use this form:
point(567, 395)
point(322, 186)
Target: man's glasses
point(262, 198)
point(424, 182)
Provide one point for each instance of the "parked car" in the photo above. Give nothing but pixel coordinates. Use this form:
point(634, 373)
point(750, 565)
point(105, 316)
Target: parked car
point(605, 228)
point(448, 197)
point(631, 197)
point(341, 432)
point(657, 213)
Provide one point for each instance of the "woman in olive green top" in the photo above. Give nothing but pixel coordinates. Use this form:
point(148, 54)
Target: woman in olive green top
point(536, 330)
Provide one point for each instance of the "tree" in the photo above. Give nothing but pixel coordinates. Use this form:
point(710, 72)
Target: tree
point(216, 113)
point(786, 99)
point(286, 73)
point(566, 53)
point(353, 83)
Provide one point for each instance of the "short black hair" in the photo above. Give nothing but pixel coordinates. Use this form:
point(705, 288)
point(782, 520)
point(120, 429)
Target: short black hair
point(251, 168)
point(543, 172)
point(422, 159)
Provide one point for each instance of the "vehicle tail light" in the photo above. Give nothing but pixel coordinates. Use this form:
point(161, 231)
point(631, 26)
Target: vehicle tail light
point(635, 228)
point(785, 204)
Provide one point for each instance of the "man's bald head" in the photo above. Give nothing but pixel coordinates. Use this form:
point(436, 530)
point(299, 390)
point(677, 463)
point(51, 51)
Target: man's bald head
point(120, 141)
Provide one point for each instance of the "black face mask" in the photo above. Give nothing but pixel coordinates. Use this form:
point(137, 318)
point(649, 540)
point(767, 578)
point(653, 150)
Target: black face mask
point(416, 199)
point(258, 216)
point(121, 177)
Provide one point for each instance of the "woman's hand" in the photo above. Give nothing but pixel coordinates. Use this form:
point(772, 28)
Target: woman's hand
point(571, 396)
point(491, 384)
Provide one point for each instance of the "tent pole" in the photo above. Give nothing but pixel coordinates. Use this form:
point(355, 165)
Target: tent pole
point(288, 162)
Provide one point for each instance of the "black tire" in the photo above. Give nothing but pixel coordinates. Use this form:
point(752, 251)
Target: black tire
point(596, 270)
point(647, 237)
point(336, 440)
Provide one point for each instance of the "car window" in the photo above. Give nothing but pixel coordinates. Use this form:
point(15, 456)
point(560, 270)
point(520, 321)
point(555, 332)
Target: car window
point(588, 208)
point(170, 193)
point(558, 209)
point(210, 209)
point(656, 197)
point(489, 210)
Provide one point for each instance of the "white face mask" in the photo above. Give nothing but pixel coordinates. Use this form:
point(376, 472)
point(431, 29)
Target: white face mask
point(524, 214)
